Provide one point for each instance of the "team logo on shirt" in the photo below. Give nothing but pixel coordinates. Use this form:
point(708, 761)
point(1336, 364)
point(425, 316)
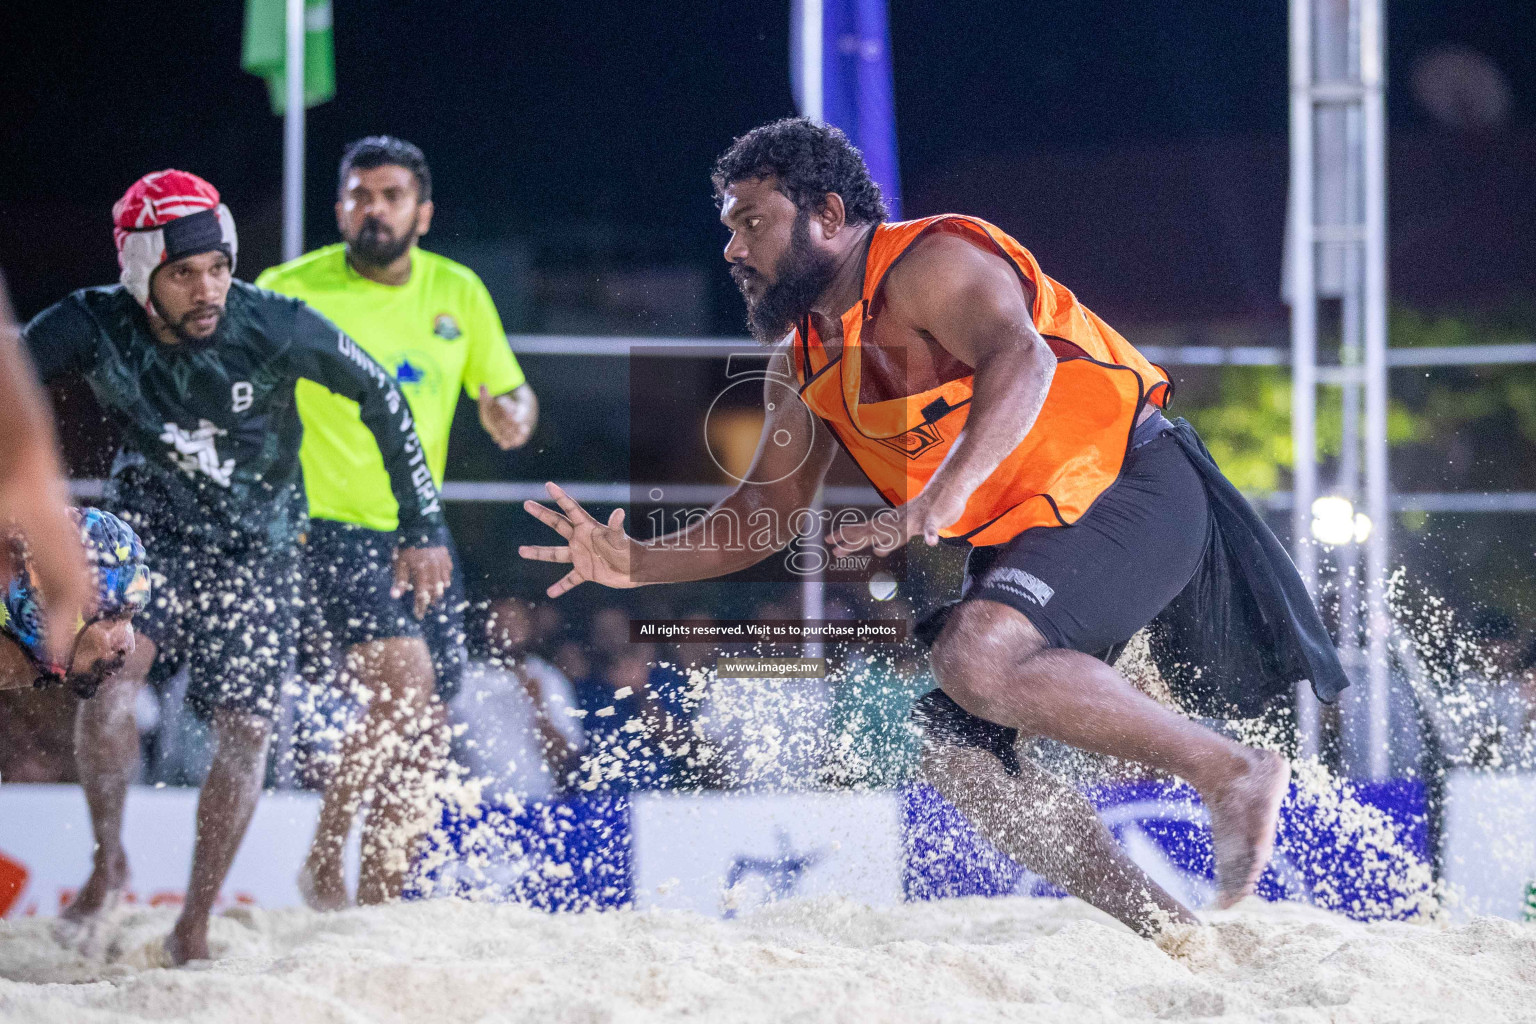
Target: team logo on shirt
point(446, 327)
point(193, 451)
point(914, 442)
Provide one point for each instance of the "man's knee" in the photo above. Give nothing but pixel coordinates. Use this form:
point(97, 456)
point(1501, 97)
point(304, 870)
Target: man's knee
point(397, 668)
point(980, 650)
point(242, 736)
point(945, 723)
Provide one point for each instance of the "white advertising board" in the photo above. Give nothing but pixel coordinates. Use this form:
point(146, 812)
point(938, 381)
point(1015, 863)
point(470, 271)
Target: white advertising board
point(1490, 839)
point(723, 854)
point(45, 833)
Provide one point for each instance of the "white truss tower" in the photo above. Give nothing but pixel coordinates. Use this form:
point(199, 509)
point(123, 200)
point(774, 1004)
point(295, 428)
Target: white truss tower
point(1336, 248)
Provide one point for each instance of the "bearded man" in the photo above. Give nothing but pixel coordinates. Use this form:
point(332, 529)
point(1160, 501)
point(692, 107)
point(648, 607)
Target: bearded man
point(197, 370)
point(990, 408)
point(431, 323)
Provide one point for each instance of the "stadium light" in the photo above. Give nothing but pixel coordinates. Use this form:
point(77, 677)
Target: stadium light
point(882, 586)
point(1335, 522)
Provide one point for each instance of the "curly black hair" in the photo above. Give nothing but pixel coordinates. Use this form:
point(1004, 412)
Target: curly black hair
point(808, 160)
point(386, 150)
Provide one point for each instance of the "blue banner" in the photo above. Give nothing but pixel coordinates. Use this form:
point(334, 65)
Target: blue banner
point(1359, 849)
point(1354, 848)
point(856, 82)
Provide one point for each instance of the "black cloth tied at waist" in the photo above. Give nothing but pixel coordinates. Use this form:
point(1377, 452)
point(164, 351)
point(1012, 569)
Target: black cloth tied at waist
point(1244, 631)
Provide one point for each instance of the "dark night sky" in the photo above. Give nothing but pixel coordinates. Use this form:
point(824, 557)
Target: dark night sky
point(538, 116)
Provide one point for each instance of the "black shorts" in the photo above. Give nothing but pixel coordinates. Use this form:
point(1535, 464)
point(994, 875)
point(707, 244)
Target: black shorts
point(226, 610)
point(349, 571)
point(1091, 586)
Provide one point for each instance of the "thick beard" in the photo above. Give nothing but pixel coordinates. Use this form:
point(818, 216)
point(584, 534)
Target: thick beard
point(370, 251)
point(191, 340)
point(803, 273)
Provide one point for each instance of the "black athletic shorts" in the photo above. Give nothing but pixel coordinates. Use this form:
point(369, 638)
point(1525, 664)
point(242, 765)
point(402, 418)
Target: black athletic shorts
point(1091, 586)
point(349, 571)
point(224, 609)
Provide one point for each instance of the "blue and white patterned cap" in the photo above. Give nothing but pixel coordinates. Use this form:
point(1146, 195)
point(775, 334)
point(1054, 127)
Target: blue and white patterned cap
point(122, 578)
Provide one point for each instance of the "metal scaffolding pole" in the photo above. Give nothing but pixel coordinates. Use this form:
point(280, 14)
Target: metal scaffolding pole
point(812, 27)
point(1336, 65)
point(1336, 249)
point(1378, 549)
point(293, 133)
point(1303, 296)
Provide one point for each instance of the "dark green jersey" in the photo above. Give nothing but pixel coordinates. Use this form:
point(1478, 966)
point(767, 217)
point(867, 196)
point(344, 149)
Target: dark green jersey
point(210, 434)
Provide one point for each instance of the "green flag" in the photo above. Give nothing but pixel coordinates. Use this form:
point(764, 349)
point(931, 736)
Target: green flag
point(266, 45)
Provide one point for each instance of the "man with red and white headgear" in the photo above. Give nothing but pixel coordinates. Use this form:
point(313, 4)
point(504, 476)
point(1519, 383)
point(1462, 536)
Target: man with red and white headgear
point(198, 371)
point(165, 216)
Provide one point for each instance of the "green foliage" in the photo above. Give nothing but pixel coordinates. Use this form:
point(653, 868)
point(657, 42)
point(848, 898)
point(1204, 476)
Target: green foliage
point(1411, 329)
point(1248, 427)
point(1456, 398)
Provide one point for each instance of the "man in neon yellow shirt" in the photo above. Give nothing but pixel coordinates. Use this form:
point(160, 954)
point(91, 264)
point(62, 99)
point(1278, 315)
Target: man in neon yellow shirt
point(431, 323)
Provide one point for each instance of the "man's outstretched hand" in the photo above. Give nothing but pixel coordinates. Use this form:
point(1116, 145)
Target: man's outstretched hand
point(601, 554)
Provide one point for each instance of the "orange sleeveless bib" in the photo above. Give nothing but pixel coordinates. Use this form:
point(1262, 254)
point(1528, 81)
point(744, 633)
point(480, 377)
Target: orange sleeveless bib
point(1070, 456)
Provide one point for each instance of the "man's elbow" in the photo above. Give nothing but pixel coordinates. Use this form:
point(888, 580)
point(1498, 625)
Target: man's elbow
point(1024, 360)
point(1043, 361)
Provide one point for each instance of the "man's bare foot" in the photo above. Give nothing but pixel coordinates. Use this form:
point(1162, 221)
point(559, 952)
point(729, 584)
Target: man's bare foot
point(91, 934)
point(102, 891)
point(187, 942)
point(322, 885)
point(1244, 815)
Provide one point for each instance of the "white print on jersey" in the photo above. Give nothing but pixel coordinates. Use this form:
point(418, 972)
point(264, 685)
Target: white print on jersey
point(195, 451)
point(241, 396)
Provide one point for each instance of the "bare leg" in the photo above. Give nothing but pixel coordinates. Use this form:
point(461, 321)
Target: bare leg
point(1050, 828)
point(994, 663)
point(107, 758)
point(398, 675)
point(224, 812)
point(322, 880)
point(401, 811)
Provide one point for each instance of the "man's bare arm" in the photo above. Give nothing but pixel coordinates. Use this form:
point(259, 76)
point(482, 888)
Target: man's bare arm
point(553, 745)
point(973, 304)
point(605, 554)
point(509, 418)
point(793, 475)
point(33, 496)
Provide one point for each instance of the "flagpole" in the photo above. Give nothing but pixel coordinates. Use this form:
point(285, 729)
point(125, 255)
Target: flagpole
point(812, 29)
point(813, 588)
point(293, 134)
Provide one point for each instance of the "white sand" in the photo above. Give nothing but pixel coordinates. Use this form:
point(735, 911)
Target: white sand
point(960, 960)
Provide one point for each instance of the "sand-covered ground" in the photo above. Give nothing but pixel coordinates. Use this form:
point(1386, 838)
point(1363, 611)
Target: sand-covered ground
point(959, 960)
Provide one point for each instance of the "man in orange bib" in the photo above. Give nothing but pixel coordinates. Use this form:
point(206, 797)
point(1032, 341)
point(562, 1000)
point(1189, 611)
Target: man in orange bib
point(989, 407)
